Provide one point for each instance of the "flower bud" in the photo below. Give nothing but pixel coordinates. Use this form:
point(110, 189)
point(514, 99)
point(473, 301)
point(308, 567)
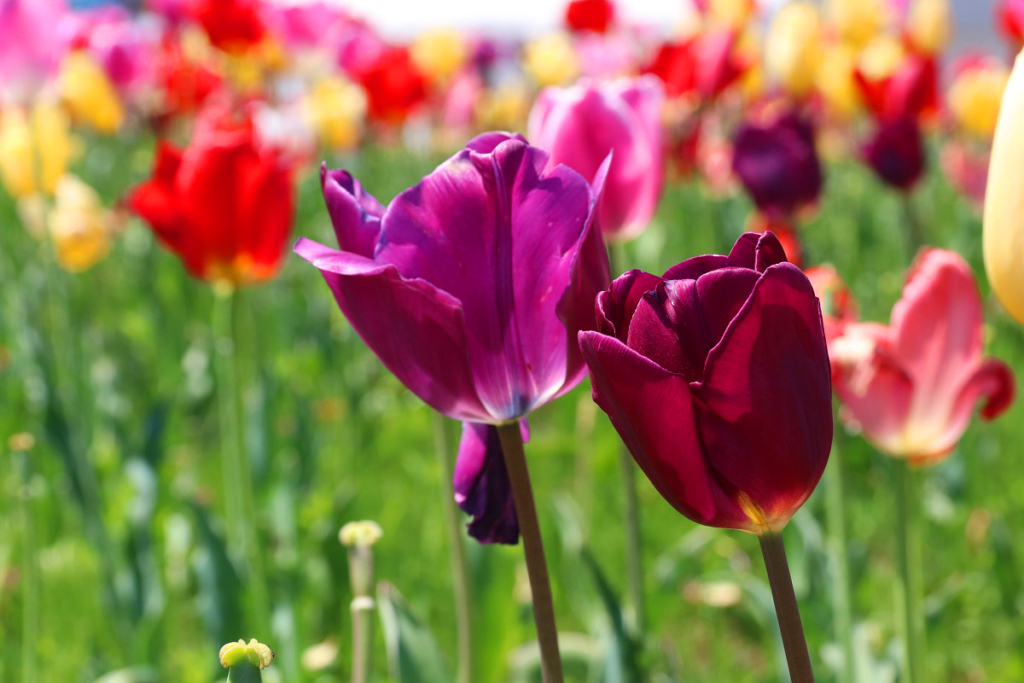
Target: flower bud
point(244, 662)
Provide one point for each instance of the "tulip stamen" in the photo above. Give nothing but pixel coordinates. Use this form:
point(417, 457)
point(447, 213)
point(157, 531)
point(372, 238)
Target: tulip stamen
point(754, 512)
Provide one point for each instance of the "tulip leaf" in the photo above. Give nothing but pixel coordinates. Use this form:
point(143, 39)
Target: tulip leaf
point(622, 661)
point(413, 655)
point(220, 598)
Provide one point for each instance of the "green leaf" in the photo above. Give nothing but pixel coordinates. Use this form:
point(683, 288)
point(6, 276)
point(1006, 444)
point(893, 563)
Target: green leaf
point(622, 661)
point(413, 655)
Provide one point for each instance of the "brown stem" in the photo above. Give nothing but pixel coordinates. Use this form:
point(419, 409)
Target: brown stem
point(786, 609)
point(533, 549)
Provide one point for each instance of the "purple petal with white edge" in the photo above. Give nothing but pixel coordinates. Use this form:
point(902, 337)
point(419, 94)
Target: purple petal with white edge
point(652, 410)
point(764, 409)
point(354, 213)
point(416, 330)
point(482, 487)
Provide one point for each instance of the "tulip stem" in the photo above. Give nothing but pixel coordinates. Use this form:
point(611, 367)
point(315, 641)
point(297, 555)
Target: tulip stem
point(915, 231)
point(634, 537)
point(30, 579)
point(457, 552)
point(236, 470)
point(533, 548)
point(835, 501)
point(786, 609)
point(909, 598)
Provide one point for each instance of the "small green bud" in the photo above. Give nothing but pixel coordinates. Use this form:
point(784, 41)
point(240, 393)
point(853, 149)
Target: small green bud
point(245, 661)
point(360, 534)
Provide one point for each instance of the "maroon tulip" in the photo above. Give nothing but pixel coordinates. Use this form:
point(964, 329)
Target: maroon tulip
point(716, 376)
point(896, 154)
point(777, 162)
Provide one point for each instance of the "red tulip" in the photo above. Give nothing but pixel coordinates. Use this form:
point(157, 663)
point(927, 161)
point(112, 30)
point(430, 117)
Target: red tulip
point(393, 85)
point(231, 25)
point(185, 85)
point(224, 205)
point(716, 376)
point(705, 65)
point(912, 90)
point(1010, 17)
point(589, 15)
point(912, 386)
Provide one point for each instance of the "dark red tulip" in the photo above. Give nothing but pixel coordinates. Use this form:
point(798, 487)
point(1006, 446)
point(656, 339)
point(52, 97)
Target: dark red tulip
point(589, 15)
point(482, 487)
point(777, 162)
point(224, 204)
point(231, 25)
point(393, 85)
point(716, 376)
point(895, 152)
point(912, 90)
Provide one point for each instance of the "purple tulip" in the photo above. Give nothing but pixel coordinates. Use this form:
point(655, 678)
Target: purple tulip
point(896, 154)
point(581, 125)
point(778, 164)
point(471, 286)
point(482, 487)
point(716, 376)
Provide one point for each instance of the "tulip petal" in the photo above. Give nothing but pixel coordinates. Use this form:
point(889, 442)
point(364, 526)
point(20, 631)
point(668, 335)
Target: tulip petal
point(417, 330)
point(722, 293)
point(355, 214)
point(485, 143)
point(482, 487)
point(693, 268)
point(764, 409)
point(652, 410)
point(616, 306)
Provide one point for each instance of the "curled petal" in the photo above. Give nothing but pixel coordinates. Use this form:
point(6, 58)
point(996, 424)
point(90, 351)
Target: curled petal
point(354, 213)
point(482, 487)
point(616, 306)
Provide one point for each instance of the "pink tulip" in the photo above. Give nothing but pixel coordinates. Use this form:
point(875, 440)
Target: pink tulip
point(28, 54)
point(912, 386)
point(580, 125)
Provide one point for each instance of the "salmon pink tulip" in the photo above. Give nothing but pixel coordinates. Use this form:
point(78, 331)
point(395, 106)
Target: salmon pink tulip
point(716, 376)
point(471, 286)
point(912, 386)
point(581, 125)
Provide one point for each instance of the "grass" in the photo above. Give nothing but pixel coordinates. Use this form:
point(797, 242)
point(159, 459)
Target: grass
point(112, 370)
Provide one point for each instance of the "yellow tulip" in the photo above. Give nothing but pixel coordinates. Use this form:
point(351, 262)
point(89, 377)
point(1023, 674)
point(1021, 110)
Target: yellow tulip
point(881, 57)
point(930, 25)
point(80, 226)
point(439, 53)
point(974, 99)
point(88, 93)
point(858, 22)
point(835, 80)
point(335, 109)
point(734, 14)
point(35, 149)
point(1003, 234)
point(551, 60)
point(504, 108)
point(793, 48)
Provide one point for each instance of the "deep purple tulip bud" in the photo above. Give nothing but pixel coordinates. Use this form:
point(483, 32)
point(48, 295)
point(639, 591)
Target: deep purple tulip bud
point(471, 286)
point(581, 125)
point(896, 154)
point(777, 162)
point(482, 487)
point(716, 376)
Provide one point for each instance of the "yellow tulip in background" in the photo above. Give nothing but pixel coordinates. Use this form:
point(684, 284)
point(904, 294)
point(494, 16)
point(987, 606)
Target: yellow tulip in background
point(80, 226)
point(734, 14)
point(551, 60)
point(439, 53)
point(88, 93)
point(930, 25)
point(835, 80)
point(858, 22)
point(335, 109)
point(793, 48)
point(35, 149)
point(1003, 240)
point(974, 99)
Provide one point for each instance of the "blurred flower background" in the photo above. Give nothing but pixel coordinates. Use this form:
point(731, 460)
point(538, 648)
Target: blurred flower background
point(187, 419)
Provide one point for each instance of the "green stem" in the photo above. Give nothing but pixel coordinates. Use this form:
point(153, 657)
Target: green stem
point(362, 639)
point(236, 469)
point(786, 609)
point(533, 549)
point(30, 580)
point(244, 673)
point(634, 537)
point(835, 502)
point(457, 552)
point(915, 230)
point(909, 598)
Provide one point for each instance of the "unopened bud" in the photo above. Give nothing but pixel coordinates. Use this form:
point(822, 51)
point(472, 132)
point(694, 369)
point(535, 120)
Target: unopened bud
point(360, 534)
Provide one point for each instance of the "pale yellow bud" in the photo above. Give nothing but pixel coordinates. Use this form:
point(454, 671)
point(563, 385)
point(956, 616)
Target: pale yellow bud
point(360, 534)
point(793, 48)
point(1003, 235)
point(551, 59)
point(930, 25)
point(89, 94)
point(439, 53)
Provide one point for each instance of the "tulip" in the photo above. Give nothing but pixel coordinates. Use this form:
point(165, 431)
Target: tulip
point(224, 204)
point(439, 54)
point(28, 54)
point(704, 66)
point(836, 80)
point(858, 22)
point(89, 94)
point(716, 376)
point(183, 82)
point(80, 226)
point(929, 26)
point(482, 487)
point(551, 60)
point(838, 308)
point(35, 149)
point(966, 168)
point(476, 358)
point(335, 109)
point(896, 83)
point(580, 126)
point(912, 386)
point(731, 14)
point(895, 152)
point(1010, 17)
point(778, 164)
point(394, 86)
point(793, 48)
point(1004, 202)
point(589, 15)
point(232, 25)
point(975, 95)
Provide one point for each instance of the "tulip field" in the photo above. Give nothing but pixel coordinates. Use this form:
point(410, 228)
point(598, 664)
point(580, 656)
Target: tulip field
point(621, 353)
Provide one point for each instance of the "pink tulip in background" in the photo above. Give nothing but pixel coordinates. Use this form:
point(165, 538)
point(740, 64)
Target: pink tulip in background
point(912, 386)
point(580, 125)
point(28, 53)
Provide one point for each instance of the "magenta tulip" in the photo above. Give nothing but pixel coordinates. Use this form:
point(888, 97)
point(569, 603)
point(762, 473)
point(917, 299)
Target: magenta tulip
point(912, 386)
point(716, 376)
point(471, 286)
point(581, 125)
